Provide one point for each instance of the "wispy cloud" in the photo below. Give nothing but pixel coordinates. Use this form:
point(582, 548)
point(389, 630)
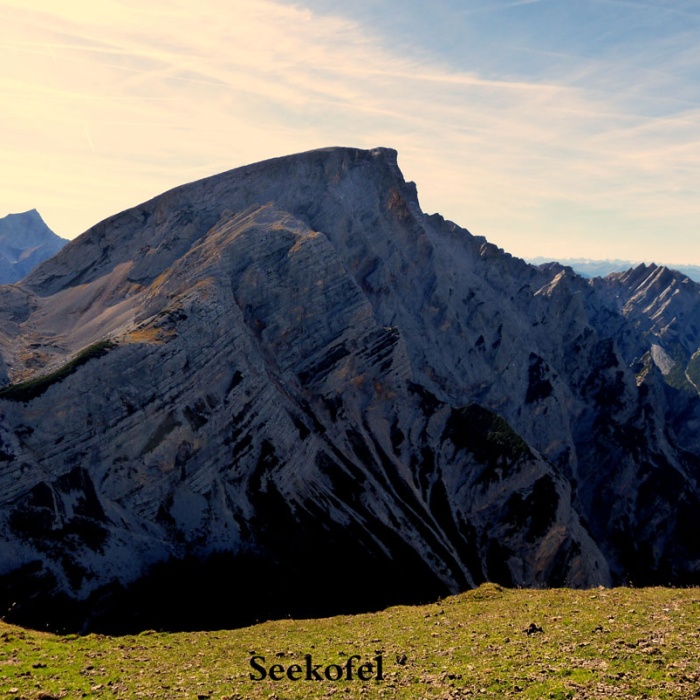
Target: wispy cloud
point(106, 104)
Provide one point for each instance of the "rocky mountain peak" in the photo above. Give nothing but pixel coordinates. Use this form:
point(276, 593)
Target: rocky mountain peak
point(664, 305)
point(25, 241)
point(205, 397)
point(315, 187)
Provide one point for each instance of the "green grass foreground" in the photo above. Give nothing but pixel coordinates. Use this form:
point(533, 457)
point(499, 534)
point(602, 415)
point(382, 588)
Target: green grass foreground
point(487, 643)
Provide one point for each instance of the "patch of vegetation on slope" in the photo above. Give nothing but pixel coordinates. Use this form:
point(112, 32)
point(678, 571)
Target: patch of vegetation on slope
point(693, 370)
point(486, 434)
point(486, 643)
point(33, 388)
point(678, 376)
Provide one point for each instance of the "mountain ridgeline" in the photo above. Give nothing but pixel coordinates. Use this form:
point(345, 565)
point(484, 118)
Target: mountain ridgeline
point(285, 390)
point(602, 268)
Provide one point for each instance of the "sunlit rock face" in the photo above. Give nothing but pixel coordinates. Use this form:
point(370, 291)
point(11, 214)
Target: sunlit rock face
point(285, 390)
point(25, 241)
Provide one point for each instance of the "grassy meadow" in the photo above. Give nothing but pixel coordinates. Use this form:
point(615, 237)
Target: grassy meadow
point(487, 643)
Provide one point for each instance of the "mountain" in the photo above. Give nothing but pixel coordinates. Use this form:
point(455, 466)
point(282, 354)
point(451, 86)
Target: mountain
point(285, 390)
point(601, 268)
point(664, 306)
point(25, 241)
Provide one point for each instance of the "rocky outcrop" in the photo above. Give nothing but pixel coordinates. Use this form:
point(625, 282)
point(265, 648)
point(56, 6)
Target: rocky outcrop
point(287, 390)
point(25, 241)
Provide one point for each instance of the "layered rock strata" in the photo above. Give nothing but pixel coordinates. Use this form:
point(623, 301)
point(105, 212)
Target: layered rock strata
point(285, 390)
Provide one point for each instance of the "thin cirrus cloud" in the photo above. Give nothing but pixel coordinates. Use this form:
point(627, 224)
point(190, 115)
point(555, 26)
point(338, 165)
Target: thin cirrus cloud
point(106, 104)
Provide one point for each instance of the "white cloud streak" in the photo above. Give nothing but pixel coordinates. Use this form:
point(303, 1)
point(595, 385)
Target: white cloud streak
point(106, 104)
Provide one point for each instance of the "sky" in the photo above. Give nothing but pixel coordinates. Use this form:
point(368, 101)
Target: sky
point(556, 128)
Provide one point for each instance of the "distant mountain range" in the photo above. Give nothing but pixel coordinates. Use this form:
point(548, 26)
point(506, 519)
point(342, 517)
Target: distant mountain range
point(601, 268)
point(285, 390)
point(25, 241)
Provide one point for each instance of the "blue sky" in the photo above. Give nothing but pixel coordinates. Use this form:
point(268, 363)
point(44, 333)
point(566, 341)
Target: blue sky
point(556, 128)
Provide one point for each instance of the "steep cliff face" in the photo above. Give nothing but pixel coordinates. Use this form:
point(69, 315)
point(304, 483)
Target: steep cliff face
point(25, 241)
point(286, 390)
